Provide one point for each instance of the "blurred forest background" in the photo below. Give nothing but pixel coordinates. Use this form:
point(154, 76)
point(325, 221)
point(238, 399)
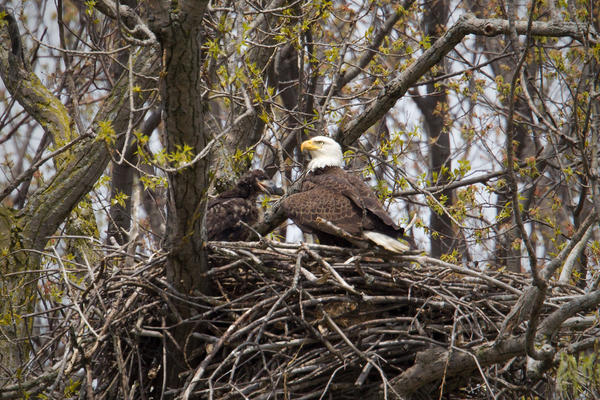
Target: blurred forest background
point(119, 120)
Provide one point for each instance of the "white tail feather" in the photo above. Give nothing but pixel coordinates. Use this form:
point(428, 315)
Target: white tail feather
point(385, 241)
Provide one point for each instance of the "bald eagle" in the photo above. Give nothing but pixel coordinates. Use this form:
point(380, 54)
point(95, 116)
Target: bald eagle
point(332, 196)
point(224, 213)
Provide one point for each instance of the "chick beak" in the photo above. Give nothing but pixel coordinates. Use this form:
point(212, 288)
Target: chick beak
point(269, 187)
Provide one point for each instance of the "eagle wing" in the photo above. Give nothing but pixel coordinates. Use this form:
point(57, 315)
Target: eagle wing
point(223, 217)
point(341, 198)
point(326, 201)
point(370, 200)
point(373, 216)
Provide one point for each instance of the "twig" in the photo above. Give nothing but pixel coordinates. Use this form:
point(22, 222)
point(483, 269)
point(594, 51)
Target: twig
point(333, 272)
point(71, 295)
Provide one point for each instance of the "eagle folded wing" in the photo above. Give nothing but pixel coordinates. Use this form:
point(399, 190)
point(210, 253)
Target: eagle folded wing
point(355, 189)
point(327, 203)
point(371, 202)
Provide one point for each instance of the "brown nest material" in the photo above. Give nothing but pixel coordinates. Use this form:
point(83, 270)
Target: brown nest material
point(291, 321)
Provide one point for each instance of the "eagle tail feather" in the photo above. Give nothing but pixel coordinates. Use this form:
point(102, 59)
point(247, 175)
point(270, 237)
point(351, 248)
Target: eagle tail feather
point(387, 242)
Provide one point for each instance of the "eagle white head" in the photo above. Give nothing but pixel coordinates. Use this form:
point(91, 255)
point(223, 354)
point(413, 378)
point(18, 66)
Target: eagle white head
point(324, 151)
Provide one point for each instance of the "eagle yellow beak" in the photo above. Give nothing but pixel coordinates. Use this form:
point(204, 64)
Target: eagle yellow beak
point(308, 145)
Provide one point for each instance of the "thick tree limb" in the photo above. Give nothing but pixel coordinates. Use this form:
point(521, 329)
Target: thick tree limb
point(352, 72)
point(26, 87)
point(431, 365)
point(134, 25)
point(50, 206)
point(185, 123)
point(554, 321)
point(466, 24)
point(567, 270)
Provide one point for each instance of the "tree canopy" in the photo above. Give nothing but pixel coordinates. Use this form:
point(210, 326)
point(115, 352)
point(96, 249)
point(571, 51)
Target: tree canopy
point(476, 123)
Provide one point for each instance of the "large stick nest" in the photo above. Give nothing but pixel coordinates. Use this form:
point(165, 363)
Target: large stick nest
point(293, 321)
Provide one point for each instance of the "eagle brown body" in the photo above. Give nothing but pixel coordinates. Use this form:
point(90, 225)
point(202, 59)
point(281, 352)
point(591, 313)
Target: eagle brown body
point(224, 213)
point(329, 193)
point(342, 199)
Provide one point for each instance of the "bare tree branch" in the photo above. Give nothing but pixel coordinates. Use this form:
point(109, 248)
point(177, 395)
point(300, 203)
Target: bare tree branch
point(466, 24)
point(27, 88)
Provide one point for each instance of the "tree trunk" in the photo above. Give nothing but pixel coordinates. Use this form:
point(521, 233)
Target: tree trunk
point(434, 106)
point(181, 37)
point(507, 253)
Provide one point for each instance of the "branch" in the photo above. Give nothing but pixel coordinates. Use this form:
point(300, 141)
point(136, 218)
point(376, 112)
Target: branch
point(484, 178)
point(553, 265)
point(567, 270)
point(510, 157)
point(353, 71)
point(134, 25)
point(554, 321)
point(52, 204)
point(541, 285)
point(26, 88)
point(431, 364)
point(466, 24)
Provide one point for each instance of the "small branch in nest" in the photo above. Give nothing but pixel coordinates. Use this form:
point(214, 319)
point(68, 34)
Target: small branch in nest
point(424, 260)
point(355, 349)
point(363, 375)
point(250, 228)
point(332, 271)
point(138, 330)
point(287, 249)
point(71, 295)
point(191, 384)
